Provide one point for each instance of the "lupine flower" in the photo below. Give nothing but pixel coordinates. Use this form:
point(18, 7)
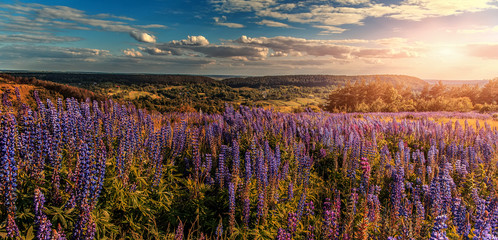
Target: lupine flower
point(282, 234)
point(460, 217)
point(248, 167)
point(292, 220)
point(8, 171)
point(290, 191)
point(84, 227)
point(43, 224)
point(220, 172)
point(219, 231)
point(438, 231)
point(179, 232)
point(231, 203)
point(247, 209)
point(311, 233)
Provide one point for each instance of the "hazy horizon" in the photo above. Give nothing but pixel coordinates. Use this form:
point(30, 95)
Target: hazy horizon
point(426, 39)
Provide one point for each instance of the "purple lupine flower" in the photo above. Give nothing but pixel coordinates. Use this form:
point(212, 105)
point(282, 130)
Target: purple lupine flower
point(6, 98)
point(85, 226)
point(310, 235)
point(12, 229)
point(231, 204)
point(235, 157)
point(460, 217)
point(398, 190)
point(59, 234)
point(248, 167)
point(330, 215)
point(179, 232)
point(292, 220)
point(438, 231)
point(219, 231)
point(18, 94)
point(261, 204)
point(220, 172)
point(282, 234)
point(247, 210)
point(300, 205)
point(100, 165)
point(309, 209)
point(373, 204)
point(208, 166)
point(8, 171)
point(290, 191)
point(41, 221)
point(196, 155)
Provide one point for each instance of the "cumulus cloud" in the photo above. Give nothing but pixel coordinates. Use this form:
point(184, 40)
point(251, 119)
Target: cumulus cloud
point(351, 11)
point(191, 41)
point(132, 53)
point(221, 22)
point(155, 51)
point(143, 37)
point(282, 45)
point(271, 23)
point(199, 46)
point(260, 48)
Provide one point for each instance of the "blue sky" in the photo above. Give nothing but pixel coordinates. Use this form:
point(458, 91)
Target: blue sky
point(431, 39)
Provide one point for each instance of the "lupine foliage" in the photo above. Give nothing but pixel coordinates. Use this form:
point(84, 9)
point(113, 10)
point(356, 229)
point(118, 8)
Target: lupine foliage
point(85, 170)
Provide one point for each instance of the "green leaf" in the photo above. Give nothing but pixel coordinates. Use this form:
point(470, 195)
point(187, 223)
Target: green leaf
point(29, 234)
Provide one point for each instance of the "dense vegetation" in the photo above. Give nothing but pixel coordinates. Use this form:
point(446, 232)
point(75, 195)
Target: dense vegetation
point(322, 80)
point(291, 93)
point(185, 93)
point(98, 169)
point(380, 96)
point(52, 88)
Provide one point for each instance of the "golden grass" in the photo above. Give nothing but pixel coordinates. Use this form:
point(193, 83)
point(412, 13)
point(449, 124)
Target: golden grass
point(24, 89)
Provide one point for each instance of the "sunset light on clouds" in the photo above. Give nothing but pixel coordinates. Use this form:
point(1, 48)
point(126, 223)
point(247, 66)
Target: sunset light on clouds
point(431, 39)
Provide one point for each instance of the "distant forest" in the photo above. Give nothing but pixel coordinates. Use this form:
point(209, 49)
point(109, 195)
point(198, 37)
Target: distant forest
point(366, 93)
point(381, 96)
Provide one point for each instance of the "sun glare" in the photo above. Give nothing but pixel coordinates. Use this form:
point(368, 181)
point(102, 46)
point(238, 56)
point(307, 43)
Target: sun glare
point(448, 52)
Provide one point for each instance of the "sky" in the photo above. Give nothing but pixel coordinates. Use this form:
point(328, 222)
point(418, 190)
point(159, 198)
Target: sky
point(430, 39)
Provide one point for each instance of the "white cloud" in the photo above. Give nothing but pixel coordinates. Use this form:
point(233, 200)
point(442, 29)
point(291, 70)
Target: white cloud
point(143, 37)
point(352, 12)
point(153, 26)
point(329, 30)
point(271, 23)
point(338, 49)
point(420, 9)
point(31, 51)
point(42, 19)
point(221, 22)
point(132, 53)
point(478, 29)
point(155, 51)
point(352, 2)
point(36, 38)
point(242, 5)
point(192, 40)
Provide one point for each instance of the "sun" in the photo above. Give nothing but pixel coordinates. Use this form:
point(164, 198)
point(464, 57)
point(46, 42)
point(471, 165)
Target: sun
point(448, 52)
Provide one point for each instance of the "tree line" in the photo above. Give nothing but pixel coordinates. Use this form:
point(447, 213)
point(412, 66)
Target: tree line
point(379, 96)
